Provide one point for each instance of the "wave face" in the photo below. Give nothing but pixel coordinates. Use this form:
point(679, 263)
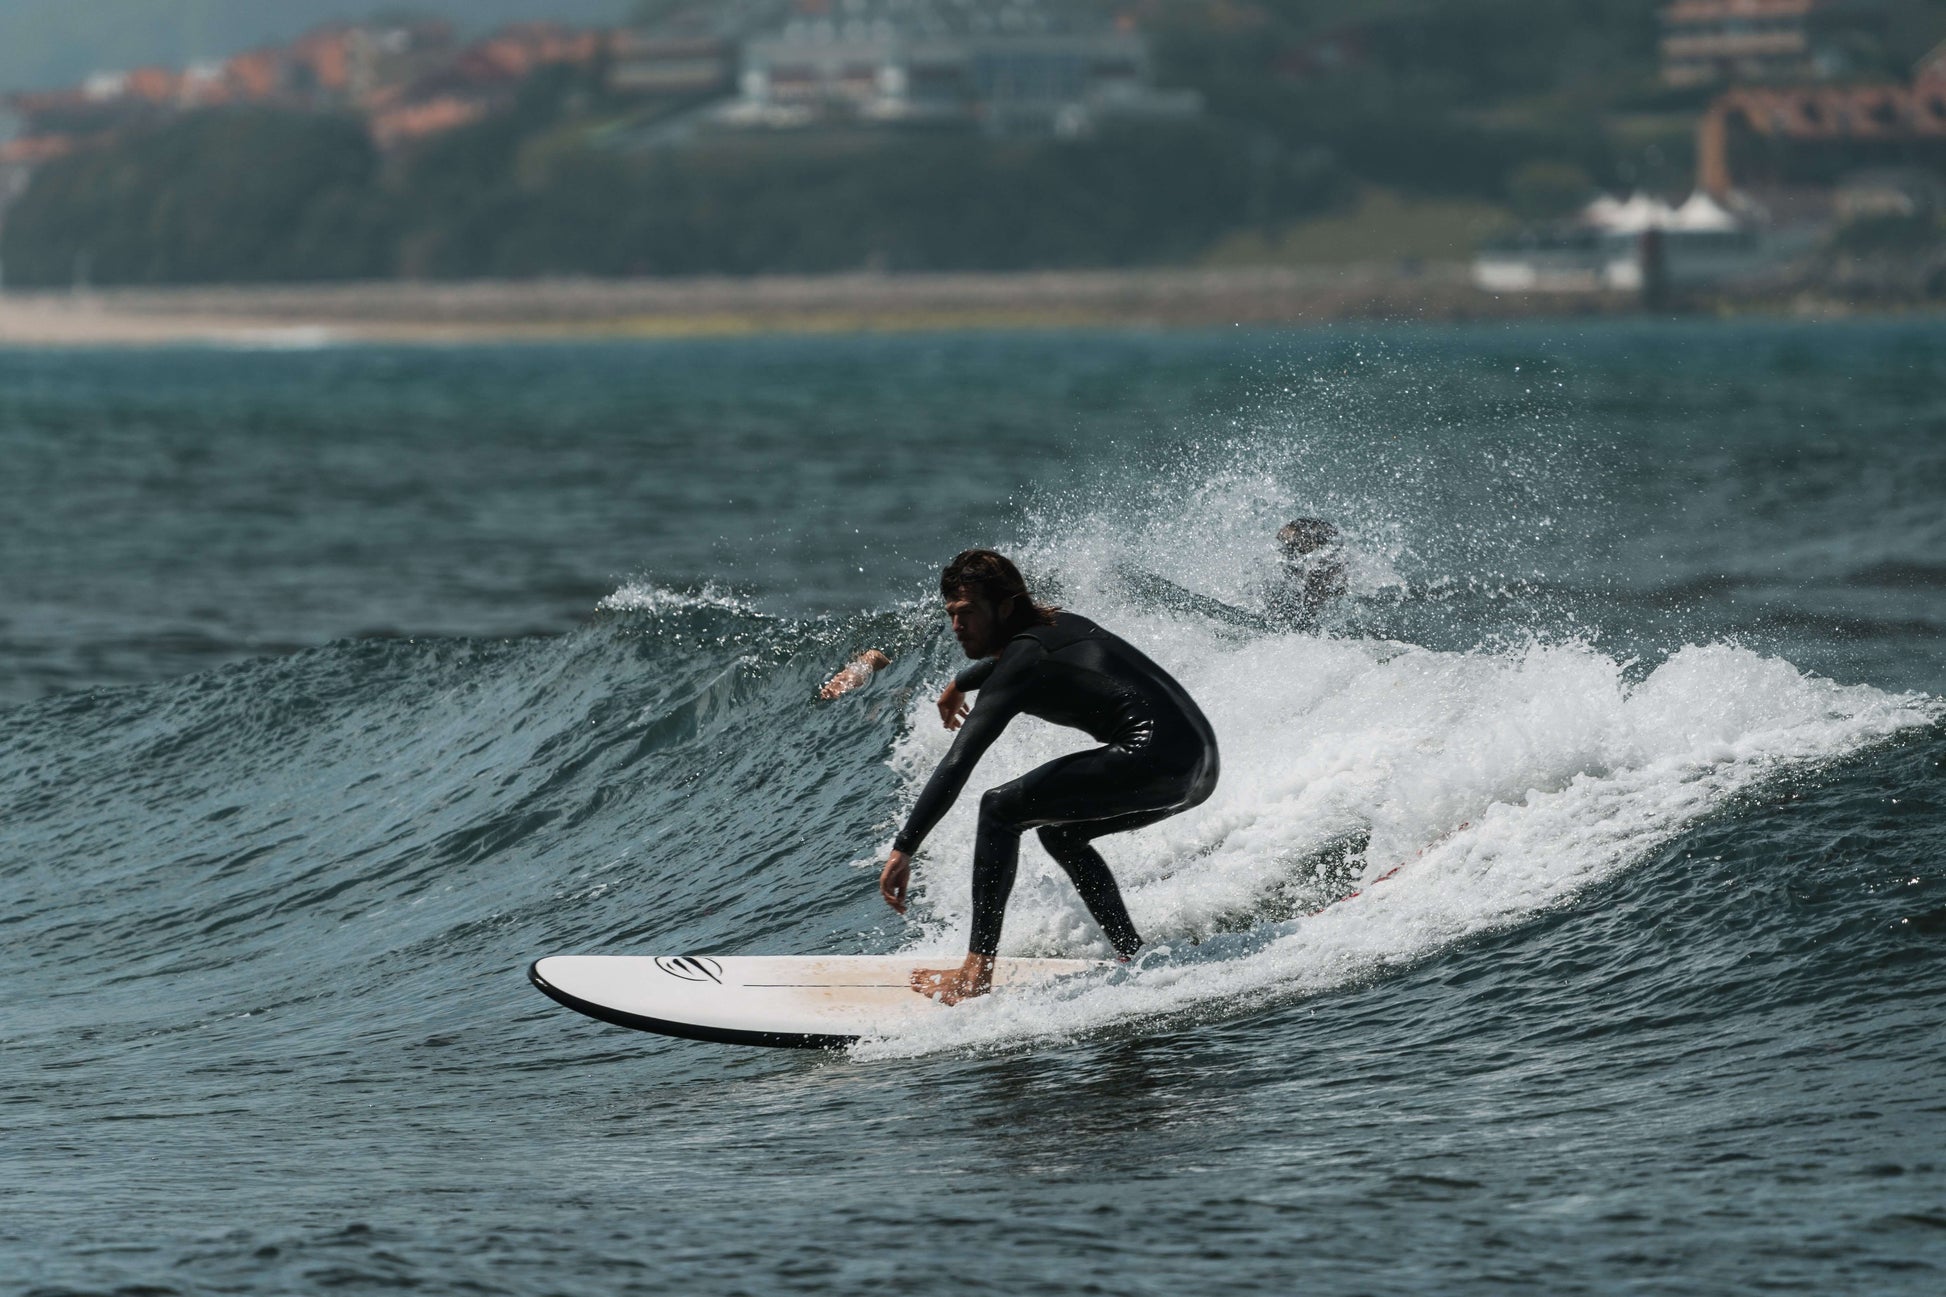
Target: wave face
point(1626, 736)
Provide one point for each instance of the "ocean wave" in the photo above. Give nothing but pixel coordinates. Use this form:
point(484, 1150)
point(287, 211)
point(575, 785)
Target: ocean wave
point(1482, 787)
point(428, 809)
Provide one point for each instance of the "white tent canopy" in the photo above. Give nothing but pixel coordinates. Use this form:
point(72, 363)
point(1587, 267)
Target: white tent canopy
point(1642, 211)
point(1701, 212)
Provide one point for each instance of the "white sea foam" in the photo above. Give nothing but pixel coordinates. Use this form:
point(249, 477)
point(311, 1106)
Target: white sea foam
point(648, 597)
point(1504, 781)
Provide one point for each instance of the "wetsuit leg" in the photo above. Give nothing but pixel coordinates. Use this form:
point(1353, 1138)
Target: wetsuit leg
point(996, 859)
point(1069, 844)
point(1107, 790)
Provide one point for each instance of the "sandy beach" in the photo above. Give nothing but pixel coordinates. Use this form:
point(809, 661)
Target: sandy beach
point(312, 314)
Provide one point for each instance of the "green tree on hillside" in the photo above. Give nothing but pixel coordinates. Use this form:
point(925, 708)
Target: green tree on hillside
point(233, 195)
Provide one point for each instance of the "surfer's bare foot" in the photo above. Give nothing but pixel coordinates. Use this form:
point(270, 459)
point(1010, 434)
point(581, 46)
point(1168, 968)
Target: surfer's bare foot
point(951, 985)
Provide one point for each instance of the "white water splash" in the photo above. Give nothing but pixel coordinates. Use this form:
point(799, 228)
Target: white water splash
point(1504, 782)
point(648, 597)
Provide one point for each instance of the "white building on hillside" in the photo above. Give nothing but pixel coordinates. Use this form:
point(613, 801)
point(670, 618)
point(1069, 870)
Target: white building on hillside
point(1621, 245)
point(1004, 66)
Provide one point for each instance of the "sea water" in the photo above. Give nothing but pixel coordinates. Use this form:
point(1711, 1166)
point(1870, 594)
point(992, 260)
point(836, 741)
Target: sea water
point(336, 685)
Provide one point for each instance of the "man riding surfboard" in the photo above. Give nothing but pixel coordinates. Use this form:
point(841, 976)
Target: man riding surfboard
point(1158, 756)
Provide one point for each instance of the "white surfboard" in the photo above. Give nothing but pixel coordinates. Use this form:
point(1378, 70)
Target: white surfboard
point(803, 1002)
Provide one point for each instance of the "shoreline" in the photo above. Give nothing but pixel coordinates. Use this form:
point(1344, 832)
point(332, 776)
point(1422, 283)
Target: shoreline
point(558, 309)
point(485, 311)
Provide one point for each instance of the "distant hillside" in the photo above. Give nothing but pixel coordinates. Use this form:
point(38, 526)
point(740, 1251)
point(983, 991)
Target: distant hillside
point(1331, 130)
point(46, 43)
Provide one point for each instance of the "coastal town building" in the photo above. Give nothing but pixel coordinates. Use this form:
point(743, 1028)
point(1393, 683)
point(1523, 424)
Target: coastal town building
point(471, 82)
point(1010, 68)
point(672, 66)
point(1706, 42)
point(1769, 137)
point(332, 67)
point(689, 51)
point(408, 79)
point(1779, 168)
point(1647, 246)
point(1006, 67)
point(515, 53)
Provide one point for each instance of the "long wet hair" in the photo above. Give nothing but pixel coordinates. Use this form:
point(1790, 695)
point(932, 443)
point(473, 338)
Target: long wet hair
point(990, 575)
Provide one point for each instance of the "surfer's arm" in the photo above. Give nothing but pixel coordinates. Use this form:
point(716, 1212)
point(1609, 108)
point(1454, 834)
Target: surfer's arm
point(1297, 602)
point(952, 699)
point(856, 672)
point(1164, 593)
point(999, 701)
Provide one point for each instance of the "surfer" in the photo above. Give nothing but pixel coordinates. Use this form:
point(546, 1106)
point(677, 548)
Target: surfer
point(1313, 574)
point(1310, 575)
point(1158, 756)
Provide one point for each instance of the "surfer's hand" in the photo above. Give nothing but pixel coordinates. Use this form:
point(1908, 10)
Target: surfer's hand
point(893, 879)
point(856, 672)
point(953, 705)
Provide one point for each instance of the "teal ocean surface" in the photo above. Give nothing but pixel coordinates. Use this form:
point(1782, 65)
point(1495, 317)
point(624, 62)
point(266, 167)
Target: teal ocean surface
point(336, 685)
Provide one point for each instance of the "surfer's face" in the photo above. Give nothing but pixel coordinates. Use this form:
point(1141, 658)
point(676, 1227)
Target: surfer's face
point(974, 623)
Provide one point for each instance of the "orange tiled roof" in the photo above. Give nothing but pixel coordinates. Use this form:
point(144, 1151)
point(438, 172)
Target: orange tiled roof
point(408, 122)
point(516, 51)
point(327, 52)
point(36, 149)
point(157, 85)
point(1840, 112)
point(256, 75)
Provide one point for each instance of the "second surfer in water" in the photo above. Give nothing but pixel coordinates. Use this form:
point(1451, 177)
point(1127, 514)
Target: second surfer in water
point(1159, 756)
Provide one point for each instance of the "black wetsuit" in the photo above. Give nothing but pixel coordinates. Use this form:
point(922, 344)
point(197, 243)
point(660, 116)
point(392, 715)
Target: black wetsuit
point(1159, 758)
point(1296, 600)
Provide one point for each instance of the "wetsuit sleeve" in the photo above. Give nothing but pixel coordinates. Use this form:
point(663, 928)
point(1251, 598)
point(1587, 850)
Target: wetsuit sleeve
point(970, 680)
point(1000, 701)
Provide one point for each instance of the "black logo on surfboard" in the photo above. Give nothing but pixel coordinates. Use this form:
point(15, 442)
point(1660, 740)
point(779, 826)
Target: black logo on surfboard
point(691, 968)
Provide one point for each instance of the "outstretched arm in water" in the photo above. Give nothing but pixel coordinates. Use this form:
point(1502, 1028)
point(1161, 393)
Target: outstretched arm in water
point(855, 673)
